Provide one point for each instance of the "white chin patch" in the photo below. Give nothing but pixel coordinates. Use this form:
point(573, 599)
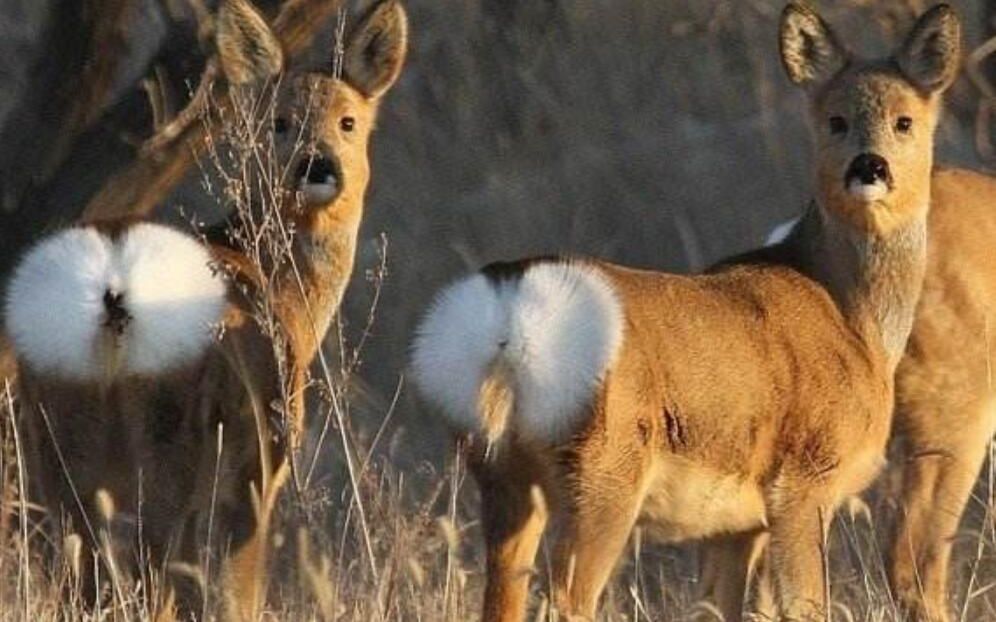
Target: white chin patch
point(868, 192)
point(318, 193)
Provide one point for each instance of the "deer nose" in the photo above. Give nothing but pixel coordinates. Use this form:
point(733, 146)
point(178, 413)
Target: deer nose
point(317, 170)
point(868, 169)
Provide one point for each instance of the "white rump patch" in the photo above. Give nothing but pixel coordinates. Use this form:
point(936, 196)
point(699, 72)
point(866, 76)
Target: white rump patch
point(780, 232)
point(56, 313)
point(558, 327)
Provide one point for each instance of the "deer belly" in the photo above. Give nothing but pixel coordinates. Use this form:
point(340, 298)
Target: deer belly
point(689, 501)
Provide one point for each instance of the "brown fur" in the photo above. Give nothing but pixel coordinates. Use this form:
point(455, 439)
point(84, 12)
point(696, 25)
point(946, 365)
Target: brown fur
point(943, 416)
point(197, 456)
point(750, 401)
point(944, 389)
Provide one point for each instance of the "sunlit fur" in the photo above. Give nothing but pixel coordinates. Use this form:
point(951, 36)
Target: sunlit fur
point(945, 414)
point(746, 403)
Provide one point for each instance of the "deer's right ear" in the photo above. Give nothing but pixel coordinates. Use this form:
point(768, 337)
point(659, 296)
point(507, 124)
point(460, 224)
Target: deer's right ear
point(248, 49)
point(810, 52)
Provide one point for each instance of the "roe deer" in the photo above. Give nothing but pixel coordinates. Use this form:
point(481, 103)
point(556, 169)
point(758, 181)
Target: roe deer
point(754, 398)
point(944, 415)
point(144, 371)
point(945, 396)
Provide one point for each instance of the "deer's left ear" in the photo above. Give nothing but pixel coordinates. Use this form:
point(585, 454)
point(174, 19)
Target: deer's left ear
point(810, 52)
point(248, 49)
point(931, 54)
point(377, 48)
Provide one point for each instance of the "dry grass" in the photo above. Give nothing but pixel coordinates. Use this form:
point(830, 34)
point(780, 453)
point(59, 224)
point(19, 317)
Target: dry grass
point(656, 133)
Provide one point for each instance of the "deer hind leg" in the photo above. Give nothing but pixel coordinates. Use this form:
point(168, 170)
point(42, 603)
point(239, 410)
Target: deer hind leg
point(937, 481)
point(514, 513)
point(595, 531)
point(729, 564)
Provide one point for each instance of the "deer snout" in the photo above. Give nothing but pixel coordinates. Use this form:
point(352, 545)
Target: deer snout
point(319, 178)
point(868, 177)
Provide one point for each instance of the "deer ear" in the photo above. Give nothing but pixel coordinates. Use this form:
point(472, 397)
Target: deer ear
point(810, 52)
point(931, 54)
point(248, 49)
point(377, 48)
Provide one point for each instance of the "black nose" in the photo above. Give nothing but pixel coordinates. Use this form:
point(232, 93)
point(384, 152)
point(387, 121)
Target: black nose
point(317, 170)
point(868, 168)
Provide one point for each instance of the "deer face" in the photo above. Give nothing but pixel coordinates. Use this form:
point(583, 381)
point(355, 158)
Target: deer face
point(321, 122)
point(321, 130)
point(873, 121)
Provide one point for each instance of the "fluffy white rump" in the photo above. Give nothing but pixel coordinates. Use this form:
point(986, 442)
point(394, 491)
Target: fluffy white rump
point(56, 315)
point(559, 328)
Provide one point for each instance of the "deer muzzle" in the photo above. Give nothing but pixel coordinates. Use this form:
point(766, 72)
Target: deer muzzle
point(319, 179)
point(868, 178)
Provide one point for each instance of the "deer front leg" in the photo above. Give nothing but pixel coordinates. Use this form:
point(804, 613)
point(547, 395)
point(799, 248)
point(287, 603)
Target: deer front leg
point(242, 579)
point(938, 479)
point(796, 553)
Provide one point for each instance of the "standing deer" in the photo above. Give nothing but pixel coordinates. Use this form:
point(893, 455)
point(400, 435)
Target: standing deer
point(944, 417)
point(746, 401)
point(147, 380)
point(944, 395)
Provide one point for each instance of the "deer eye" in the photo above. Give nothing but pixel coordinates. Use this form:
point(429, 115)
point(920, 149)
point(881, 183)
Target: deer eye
point(904, 125)
point(347, 124)
point(280, 125)
point(838, 125)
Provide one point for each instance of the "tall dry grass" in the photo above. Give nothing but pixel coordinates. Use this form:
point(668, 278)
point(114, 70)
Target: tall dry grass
point(654, 133)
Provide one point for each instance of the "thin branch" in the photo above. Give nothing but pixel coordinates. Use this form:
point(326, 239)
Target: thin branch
point(169, 131)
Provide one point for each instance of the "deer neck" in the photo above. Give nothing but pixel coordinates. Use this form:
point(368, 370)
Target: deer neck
point(311, 287)
point(874, 277)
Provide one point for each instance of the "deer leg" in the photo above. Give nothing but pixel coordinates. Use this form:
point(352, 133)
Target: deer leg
point(591, 543)
point(938, 479)
point(242, 579)
point(243, 575)
point(796, 552)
